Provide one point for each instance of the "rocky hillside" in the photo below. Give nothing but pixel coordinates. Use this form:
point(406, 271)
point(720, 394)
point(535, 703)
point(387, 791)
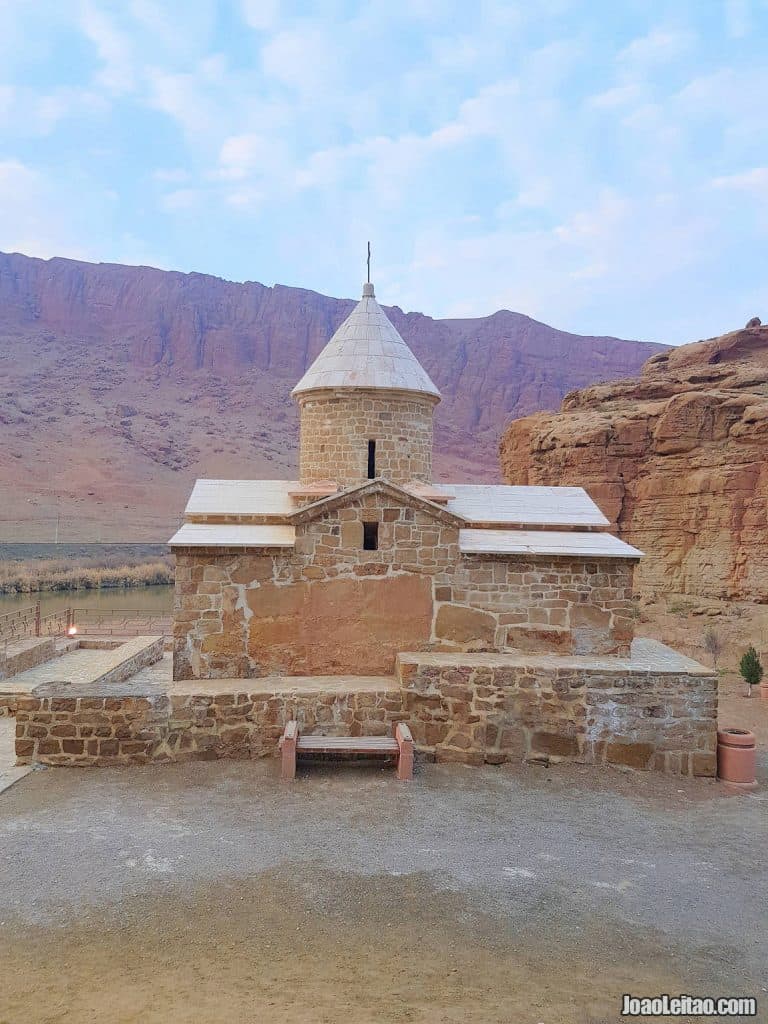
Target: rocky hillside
point(119, 385)
point(678, 459)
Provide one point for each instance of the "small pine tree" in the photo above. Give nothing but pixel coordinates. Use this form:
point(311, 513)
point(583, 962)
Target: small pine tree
point(751, 669)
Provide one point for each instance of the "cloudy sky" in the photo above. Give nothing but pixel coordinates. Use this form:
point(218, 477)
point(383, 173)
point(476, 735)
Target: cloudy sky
point(601, 165)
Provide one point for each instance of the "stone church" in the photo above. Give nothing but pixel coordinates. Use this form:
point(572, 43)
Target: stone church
point(366, 556)
point(496, 622)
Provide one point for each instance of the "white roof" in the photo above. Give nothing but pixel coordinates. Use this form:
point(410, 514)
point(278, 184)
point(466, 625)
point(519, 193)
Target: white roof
point(210, 535)
point(367, 352)
point(241, 497)
point(545, 542)
point(534, 506)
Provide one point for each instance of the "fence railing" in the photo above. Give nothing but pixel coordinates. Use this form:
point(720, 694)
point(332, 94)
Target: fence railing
point(23, 623)
point(19, 623)
point(122, 622)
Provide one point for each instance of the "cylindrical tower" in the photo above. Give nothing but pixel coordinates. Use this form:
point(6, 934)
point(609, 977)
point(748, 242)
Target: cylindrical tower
point(366, 405)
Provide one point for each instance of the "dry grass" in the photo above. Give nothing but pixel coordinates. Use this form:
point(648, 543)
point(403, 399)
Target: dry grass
point(86, 574)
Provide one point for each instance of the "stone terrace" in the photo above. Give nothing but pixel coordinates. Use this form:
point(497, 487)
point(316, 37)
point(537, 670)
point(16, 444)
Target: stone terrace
point(655, 709)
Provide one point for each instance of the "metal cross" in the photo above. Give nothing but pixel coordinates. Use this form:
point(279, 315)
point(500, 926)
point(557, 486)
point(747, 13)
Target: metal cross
point(369, 263)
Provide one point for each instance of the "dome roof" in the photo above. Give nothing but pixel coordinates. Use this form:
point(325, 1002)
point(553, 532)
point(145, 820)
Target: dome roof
point(367, 352)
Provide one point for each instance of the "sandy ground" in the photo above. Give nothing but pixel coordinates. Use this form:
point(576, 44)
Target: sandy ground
point(211, 892)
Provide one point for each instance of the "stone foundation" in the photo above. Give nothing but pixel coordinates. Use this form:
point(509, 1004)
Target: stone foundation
point(656, 710)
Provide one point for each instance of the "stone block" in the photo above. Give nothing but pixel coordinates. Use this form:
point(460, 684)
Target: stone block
point(704, 764)
point(461, 624)
point(634, 755)
point(553, 743)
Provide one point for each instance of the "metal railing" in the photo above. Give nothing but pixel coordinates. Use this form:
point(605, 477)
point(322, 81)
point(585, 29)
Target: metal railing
point(29, 622)
point(118, 622)
point(20, 623)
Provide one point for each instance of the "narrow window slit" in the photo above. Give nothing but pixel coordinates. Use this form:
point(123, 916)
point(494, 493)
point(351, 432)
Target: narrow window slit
point(370, 536)
point(371, 460)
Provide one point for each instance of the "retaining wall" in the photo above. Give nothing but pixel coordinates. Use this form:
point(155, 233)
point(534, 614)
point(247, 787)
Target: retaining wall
point(658, 711)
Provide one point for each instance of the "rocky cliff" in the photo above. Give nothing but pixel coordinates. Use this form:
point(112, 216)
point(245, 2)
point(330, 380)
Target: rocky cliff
point(678, 459)
point(119, 385)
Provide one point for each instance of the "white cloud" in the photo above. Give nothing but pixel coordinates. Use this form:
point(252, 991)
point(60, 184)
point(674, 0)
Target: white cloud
point(658, 46)
point(181, 199)
point(618, 96)
point(244, 155)
point(181, 96)
point(33, 215)
point(261, 14)
point(114, 48)
point(738, 18)
point(172, 175)
point(304, 58)
point(754, 181)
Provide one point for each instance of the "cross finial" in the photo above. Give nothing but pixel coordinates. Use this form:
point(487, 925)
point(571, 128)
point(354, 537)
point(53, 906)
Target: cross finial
point(369, 263)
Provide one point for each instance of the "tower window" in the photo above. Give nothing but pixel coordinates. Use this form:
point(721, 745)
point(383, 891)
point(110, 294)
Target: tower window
point(370, 536)
point(371, 460)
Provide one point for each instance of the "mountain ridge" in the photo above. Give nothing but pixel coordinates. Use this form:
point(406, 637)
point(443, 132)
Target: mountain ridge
point(204, 367)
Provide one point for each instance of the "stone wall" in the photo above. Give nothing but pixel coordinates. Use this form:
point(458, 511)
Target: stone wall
point(60, 730)
point(657, 711)
point(659, 714)
point(566, 605)
point(327, 607)
point(336, 428)
point(24, 654)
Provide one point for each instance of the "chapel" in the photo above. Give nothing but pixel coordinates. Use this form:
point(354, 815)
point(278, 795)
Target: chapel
point(365, 556)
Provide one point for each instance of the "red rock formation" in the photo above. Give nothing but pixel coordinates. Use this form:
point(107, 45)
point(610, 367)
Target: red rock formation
point(677, 459)
point(129, 382)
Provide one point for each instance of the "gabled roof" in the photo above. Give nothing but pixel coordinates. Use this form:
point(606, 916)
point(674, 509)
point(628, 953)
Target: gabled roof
point(367, 352)
point(492, 504)
point(397, 494)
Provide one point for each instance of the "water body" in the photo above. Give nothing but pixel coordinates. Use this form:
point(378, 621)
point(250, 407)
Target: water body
point(151, 600)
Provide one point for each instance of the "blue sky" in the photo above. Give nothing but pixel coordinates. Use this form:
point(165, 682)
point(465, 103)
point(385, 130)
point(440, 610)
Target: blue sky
point(599, 165)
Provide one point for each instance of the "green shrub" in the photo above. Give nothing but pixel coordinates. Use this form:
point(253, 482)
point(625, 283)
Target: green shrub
point(750, 669)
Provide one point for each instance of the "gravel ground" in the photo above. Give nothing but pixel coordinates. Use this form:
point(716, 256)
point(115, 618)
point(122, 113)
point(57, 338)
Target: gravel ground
point(211, 891)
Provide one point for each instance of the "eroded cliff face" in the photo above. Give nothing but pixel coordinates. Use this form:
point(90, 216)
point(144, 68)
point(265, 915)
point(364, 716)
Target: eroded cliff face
point(120, 385)
point(678, 459)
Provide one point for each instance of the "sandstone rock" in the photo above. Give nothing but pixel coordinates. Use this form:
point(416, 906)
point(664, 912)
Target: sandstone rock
point(676, 459)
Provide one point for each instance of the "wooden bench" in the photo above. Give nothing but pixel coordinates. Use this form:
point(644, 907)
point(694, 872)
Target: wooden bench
point(400, 746)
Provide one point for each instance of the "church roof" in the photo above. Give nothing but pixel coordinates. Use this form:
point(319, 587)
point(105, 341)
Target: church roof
point(525, 505)
point(545, 542)
point(367, 352)
point(493, 504)
point(202, 535)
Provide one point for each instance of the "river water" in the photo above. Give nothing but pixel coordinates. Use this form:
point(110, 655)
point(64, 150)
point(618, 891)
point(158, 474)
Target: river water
point(152, 600)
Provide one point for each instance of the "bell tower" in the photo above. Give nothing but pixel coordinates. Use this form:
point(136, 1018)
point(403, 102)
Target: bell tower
point(366, 405)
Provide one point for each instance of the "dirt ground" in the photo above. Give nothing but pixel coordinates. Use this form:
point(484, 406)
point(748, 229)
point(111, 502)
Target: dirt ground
point(211, 892)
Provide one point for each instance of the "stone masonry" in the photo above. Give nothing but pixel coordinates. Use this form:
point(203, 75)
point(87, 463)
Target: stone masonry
point(506, 613)
point(654, 710)
point(327, 607)
point(336, 428)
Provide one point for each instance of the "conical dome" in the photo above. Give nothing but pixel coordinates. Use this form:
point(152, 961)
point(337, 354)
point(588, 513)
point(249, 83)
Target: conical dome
point(367, 352)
